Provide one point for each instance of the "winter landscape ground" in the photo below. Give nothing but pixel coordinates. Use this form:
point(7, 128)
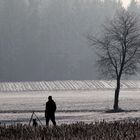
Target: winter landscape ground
point(87, 104)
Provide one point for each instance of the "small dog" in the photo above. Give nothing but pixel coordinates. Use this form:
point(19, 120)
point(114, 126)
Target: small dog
point(35, 124)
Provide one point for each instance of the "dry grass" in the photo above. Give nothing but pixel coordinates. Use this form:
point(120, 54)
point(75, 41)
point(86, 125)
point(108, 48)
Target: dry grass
point(123, 130)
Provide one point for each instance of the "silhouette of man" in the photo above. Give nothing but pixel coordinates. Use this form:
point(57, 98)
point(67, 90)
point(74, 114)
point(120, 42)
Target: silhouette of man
point(50, 111)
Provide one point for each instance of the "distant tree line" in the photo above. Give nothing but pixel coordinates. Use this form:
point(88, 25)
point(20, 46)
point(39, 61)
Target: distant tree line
point(45, 40)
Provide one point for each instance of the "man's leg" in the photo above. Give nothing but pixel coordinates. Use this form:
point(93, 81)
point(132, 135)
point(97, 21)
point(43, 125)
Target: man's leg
point(47, 120)
point(53, 119)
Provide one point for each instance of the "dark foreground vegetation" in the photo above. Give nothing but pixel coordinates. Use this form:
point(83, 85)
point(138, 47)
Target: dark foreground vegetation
point(120, 130)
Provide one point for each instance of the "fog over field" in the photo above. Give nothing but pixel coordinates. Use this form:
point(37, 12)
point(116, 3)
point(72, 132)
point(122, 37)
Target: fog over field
point(46, 39)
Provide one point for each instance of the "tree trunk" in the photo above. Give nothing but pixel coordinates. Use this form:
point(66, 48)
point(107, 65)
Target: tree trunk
point(116, 98)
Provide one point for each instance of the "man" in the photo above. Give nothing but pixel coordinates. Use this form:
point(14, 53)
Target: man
point(50, 111)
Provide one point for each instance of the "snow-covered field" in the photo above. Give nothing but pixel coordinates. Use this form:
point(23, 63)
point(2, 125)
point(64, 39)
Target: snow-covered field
point(66, 85)
point(72, 105)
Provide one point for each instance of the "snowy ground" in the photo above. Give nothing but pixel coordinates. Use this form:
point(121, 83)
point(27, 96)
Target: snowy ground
point(72, 106)
point(67, 85)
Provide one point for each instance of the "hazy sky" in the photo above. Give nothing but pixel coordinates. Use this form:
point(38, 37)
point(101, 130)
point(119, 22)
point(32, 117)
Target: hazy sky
point(126, 2)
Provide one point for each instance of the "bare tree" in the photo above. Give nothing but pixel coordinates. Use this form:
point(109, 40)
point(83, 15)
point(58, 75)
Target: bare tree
point(118, 48)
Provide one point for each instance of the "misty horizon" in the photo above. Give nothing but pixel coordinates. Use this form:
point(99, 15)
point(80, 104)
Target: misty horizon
point(46, 40)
